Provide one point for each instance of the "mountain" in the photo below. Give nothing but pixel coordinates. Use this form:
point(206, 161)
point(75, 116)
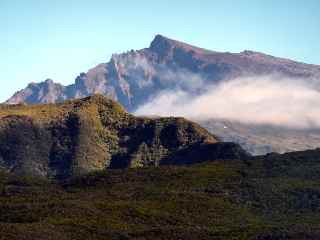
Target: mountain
point(85, 135)
point(270, 197)
point(133, 77)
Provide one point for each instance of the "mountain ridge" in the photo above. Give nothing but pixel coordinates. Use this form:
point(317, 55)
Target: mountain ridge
point(134, 78)
point(128, 77)
point(80, 136)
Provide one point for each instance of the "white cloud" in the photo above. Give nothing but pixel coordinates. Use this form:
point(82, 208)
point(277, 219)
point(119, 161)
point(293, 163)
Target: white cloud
point(268, 100)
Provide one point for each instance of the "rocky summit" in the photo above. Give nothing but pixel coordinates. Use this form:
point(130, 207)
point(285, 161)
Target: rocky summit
point(85, 135)
point(133, 77)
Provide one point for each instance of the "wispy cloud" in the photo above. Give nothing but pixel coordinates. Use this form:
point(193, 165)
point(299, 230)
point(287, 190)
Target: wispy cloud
point(268, 100)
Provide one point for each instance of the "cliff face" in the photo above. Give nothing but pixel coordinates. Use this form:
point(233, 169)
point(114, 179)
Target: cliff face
point(81, 136)
point(133, 77)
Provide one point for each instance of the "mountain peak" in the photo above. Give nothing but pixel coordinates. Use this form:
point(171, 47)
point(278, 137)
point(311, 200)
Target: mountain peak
point(160, 38)
point(133, 77)
point(49, 81)
point(160, 43)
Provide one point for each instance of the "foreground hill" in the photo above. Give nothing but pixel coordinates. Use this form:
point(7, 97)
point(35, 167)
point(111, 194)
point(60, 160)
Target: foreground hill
point(95, 133)
point(270, 197)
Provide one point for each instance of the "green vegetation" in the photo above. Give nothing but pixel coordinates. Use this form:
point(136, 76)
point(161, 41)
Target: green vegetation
point(85, 135)
point(276, 197)
point(85, 169)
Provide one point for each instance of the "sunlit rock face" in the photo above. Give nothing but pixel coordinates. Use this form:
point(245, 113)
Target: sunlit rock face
point(134, 77)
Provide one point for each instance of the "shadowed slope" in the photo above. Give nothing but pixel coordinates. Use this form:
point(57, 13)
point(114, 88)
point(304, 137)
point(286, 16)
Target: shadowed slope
point(94, 133)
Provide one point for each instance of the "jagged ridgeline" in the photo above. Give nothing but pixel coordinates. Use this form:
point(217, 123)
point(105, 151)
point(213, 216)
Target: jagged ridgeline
point(80, 136)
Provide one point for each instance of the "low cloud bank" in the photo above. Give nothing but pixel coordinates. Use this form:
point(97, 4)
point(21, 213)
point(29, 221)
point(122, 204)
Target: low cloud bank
point(261, 100)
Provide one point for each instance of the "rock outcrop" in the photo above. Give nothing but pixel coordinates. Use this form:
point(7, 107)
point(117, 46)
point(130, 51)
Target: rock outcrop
point(80, 136)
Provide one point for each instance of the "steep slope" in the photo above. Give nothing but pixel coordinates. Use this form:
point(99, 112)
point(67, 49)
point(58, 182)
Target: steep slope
point(271, 197)
point(85, 135)
point(133, 77)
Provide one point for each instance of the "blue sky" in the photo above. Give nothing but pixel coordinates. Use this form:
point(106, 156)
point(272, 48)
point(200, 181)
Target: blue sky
point(58, 39)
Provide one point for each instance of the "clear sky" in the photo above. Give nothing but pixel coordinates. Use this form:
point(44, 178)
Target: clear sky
point(58, 39)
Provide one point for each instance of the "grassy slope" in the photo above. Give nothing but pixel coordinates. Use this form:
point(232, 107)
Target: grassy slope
point(271, 198)
point(85, 135)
